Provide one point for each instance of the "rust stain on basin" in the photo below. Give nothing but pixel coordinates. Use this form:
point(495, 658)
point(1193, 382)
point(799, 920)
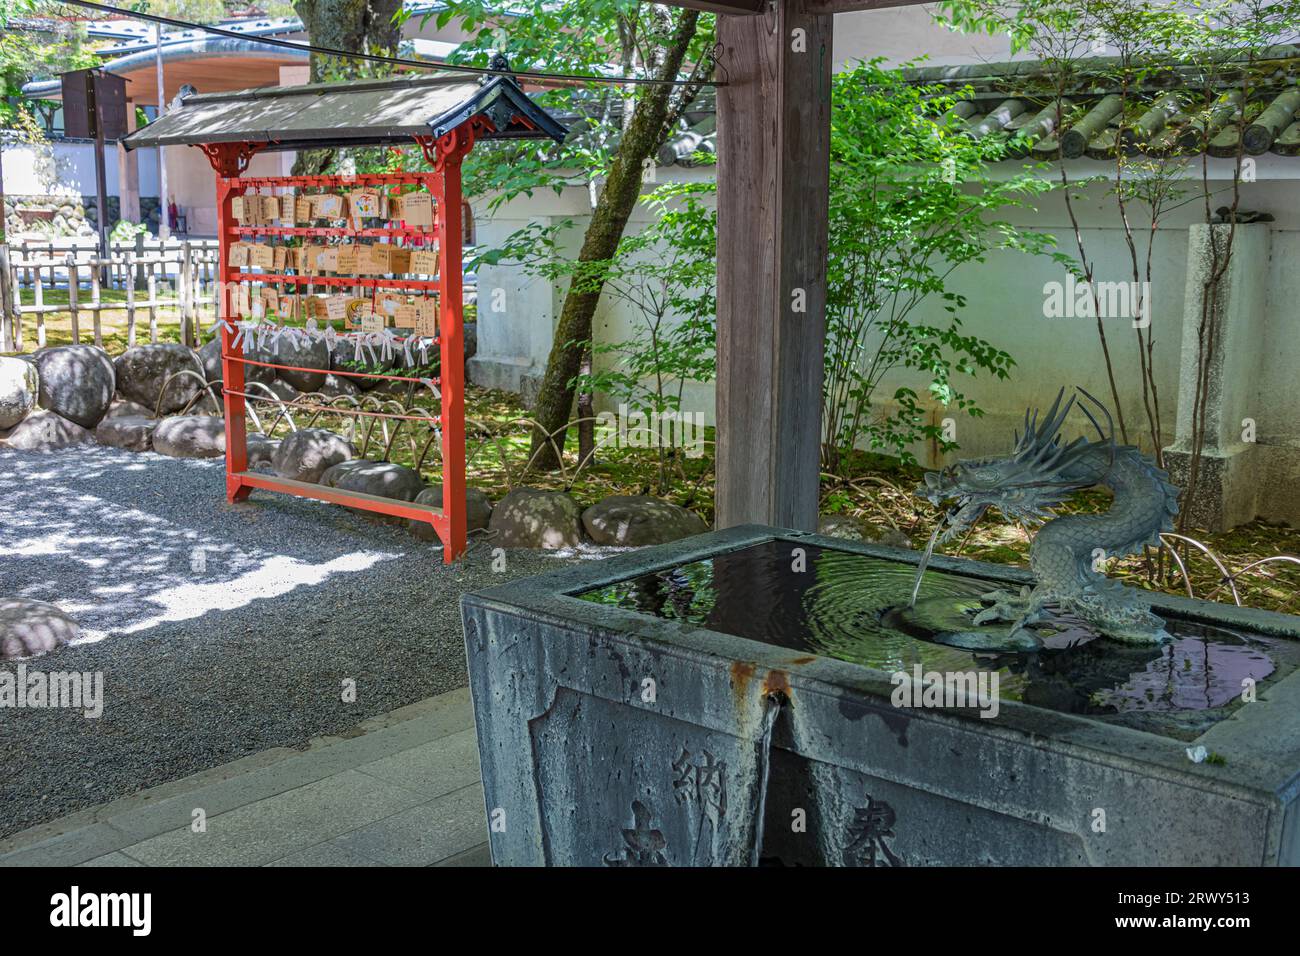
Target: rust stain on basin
point(777, 682)
point(742, 675)
point(742, 672)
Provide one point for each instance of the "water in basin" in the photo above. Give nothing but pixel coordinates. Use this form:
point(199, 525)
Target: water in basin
point(850, 606)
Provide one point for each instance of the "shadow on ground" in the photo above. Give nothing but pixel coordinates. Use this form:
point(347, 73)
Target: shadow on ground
point(220, 630)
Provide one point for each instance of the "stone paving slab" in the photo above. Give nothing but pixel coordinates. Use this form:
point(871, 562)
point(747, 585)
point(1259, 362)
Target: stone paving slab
point(431, 769)
point(116, 858)
point(480, 855)
point(270, 828)
point(71, 848)
point(425, 834)
point(324, 854)
point(401, 789)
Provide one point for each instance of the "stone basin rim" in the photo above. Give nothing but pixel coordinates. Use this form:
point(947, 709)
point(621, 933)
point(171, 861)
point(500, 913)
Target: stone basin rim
point(1251, 773)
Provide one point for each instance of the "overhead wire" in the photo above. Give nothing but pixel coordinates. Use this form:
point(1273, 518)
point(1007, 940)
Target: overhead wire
point(537, 76)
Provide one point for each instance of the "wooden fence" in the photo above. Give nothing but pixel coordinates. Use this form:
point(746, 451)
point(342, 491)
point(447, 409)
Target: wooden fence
point(179, 275)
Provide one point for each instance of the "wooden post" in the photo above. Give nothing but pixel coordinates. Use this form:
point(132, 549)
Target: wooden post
point(446, 190)
point(773, 183)
point(38, 297)
point(128, 173)
point(101, 182)
point(151, 288)
point(232, 370)
point(138, 278)
point(74, 282)
point(185, 296)
point(164, 230)
point(129, 285)
point(95, 302)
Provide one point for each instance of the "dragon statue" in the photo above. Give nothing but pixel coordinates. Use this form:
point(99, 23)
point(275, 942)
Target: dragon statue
point(1037, 476)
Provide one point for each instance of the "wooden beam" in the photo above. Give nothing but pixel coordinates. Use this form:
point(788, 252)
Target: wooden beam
point(741, 8)
point(817, 7)
point(773, 184)
point(852, 6)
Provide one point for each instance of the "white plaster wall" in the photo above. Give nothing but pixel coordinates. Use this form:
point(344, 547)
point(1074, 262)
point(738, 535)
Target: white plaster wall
point(73, 169)
point(902, 34)
point(1005, 305)
point(518, 312)
point(191, 180)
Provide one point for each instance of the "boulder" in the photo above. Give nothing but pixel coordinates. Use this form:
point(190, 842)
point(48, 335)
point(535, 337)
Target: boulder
point(637, 520)
point(283, 390)
point(44, 431)
point(529, 518)
point(469, 334)
point(891, 537)
point(397, 389)
point(19, 389)
point(307, 353)
point(131, 432)
point(144, 370)
point(854, 529)
point(210, 356)
point(190, 436)
point(342, 356)
point(208, 404)
point(478, 505)
point(260, 450)
point(125, 408)
point(841, 526)
point(305, 454)
point(382, 478)
point(29, 628)
point(76, 382)
point(336, 385)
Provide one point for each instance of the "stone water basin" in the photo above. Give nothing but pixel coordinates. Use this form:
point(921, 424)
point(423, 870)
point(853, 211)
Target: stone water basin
point(729, 699)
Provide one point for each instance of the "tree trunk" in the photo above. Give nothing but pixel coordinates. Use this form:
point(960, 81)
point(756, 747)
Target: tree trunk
point(358, 26)
point(640, 140)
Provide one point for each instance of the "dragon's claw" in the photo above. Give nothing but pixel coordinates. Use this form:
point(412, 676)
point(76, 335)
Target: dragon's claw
point(1020, 609)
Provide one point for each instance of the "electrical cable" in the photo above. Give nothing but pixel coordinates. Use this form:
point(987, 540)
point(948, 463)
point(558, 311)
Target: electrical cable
point(541, 78)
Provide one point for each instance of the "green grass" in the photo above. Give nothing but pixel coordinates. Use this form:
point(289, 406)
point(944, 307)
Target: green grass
point(114, 332)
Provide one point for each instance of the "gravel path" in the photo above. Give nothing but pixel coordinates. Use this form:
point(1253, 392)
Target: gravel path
point(220, 630)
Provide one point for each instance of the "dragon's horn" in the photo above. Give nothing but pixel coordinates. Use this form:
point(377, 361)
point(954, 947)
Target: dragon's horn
point(1054, 419)
point(1110, 422)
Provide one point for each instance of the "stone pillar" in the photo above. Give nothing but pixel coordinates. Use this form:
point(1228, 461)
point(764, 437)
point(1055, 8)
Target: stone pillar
point(1229, 480)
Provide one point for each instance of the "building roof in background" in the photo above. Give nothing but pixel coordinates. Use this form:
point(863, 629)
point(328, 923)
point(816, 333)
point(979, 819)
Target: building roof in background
point(143, 37)
point(358, 113)
point(1174, 111)
point(1010, 101)
point(218, 63)
point(254, 27)
point(210, 63)
point(694, 142)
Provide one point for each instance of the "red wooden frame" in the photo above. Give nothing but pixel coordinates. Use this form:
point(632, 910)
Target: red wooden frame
point(445, 154)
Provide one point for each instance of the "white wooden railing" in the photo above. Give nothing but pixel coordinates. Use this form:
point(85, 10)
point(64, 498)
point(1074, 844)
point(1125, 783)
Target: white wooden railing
point(177, 275)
